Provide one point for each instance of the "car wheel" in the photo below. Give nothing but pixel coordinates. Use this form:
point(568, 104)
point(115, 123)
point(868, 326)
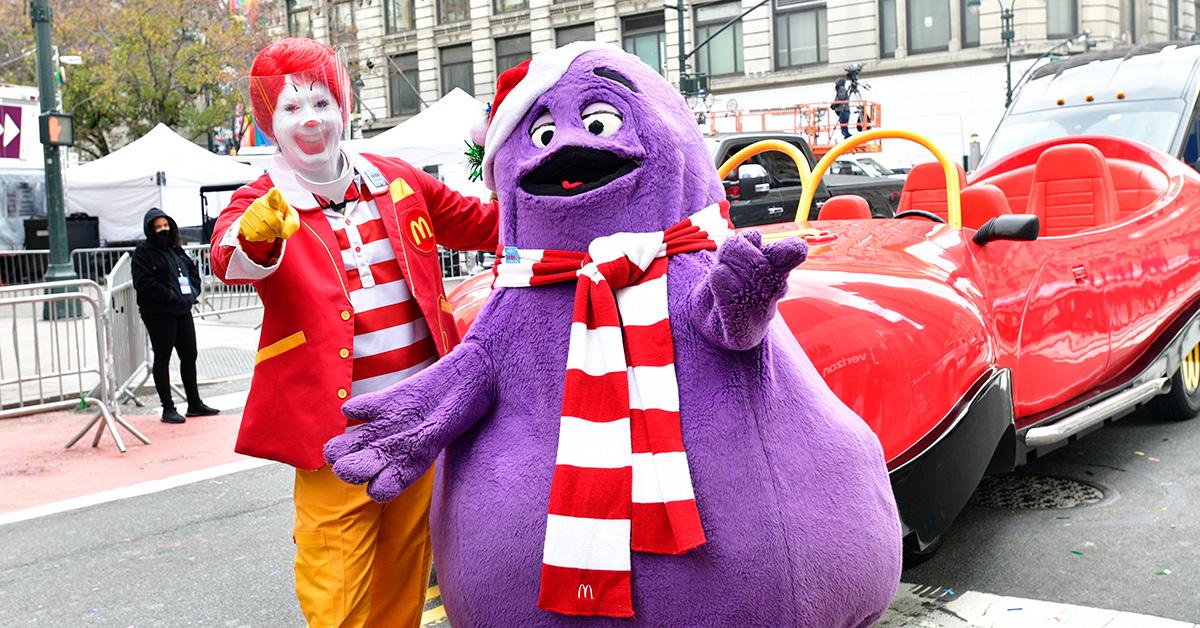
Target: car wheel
point(1183, 400)
point(914, 556)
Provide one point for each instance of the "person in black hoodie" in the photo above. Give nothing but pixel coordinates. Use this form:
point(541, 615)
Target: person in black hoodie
point(167, 283)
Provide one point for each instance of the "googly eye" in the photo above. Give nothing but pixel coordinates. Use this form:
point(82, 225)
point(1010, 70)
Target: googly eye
point(542, 134)
point(602, 123)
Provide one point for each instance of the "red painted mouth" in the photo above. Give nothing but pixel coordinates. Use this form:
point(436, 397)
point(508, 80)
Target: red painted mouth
point(571, 185)
point(314, 146)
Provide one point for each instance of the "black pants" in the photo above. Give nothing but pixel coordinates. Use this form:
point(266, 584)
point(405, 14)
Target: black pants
point(178, 332)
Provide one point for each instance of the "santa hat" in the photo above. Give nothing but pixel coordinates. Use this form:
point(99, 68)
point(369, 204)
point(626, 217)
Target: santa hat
point(516, 90)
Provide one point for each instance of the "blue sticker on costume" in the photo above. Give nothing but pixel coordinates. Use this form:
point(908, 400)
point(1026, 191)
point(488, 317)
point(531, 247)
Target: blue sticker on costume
point(511, 255)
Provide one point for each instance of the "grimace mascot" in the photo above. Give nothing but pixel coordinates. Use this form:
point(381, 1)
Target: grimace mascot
point(631, 435)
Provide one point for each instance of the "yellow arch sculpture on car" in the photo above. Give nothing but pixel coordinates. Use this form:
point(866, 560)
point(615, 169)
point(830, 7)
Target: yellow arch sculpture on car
point(807, 176)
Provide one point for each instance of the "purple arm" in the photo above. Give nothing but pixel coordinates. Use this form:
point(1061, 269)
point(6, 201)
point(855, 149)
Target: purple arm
point(734, 304)
point(411, 422)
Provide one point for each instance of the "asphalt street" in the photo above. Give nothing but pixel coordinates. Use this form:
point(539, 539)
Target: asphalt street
point(217, 552)
point(1137, 550)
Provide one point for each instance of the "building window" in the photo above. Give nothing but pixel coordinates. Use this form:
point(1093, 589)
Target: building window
point(300, 18)
point(645, 36)
point(511, 51)
point(453, 11)
point(800, 34)
point(928, 25)
point(457, 70)
point(504, 6)
point(887, 28)
point(1061, 18)
point(341, 20)
point(1172, 19)
point(403, 79)
point(970, 25)
point(398, 15)
point(722, 55)
point(583, 32)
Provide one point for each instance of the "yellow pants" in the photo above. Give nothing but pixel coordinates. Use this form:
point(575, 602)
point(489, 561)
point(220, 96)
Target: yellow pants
point(358, 562)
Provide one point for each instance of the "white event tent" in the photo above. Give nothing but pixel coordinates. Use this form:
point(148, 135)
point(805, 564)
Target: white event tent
point(160, 169)
point(435, 137)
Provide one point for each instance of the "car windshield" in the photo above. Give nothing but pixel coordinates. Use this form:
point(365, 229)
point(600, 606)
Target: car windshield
point(1151, 122)
point(879, 168)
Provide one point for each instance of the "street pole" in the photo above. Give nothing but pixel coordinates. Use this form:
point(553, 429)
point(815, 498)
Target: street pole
point(60, 268)
point(1007, 33)
point(679, 8)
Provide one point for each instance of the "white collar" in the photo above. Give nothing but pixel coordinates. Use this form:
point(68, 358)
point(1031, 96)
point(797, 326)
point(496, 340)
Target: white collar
point(294, 191)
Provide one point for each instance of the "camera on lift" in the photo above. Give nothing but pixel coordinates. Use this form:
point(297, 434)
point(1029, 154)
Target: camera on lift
point(852, 72)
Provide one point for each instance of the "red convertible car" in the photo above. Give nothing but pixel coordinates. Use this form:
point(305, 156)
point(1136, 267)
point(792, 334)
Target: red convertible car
point(1069, 296)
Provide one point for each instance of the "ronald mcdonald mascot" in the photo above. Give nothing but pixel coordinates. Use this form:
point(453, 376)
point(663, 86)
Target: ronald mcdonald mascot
point(342, 249)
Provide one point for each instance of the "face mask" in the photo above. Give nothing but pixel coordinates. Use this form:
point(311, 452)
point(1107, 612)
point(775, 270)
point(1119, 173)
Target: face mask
point(164, 236)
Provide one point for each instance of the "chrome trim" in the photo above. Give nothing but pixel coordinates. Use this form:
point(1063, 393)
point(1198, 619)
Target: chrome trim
point(1097, 413)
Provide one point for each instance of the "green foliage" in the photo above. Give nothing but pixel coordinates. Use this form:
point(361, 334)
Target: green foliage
point(475, 161)
point(179, 62)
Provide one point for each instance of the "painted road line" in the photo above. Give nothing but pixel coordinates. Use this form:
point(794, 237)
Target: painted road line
point(923, 606)
point(137, 490)
point(435, 613)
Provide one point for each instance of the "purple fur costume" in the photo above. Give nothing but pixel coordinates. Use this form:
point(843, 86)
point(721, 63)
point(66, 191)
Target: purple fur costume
point(791, 485)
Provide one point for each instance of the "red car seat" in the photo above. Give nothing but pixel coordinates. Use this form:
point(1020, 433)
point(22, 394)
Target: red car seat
point(845, 207)
point(1072, 190)
point(1015, 184)
point(1137, 185)
point(925, 188)
point(981, 203)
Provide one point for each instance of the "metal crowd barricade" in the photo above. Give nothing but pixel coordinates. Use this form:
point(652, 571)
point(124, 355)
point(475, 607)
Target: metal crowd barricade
point(96, 264)
point(463, 264)
point(131, 365)
point(56, 353)
point(217, 297)
point(23, 267)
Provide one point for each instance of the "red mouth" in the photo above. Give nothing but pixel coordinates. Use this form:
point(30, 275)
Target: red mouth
point(569, 185)
point(311, 147)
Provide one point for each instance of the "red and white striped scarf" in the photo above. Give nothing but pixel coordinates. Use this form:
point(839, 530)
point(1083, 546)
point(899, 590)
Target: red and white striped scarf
point(621, 480)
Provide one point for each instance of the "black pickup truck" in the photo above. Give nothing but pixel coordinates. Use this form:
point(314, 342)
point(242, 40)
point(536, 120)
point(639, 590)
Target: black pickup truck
point(775, 200)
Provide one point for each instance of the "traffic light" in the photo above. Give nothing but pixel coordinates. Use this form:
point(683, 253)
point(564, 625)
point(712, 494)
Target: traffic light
point(57, 129)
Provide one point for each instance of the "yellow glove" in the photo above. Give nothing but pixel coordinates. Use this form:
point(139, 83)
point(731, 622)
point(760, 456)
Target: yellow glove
point(268, 218)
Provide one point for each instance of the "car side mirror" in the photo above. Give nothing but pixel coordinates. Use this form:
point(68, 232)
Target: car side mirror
point(752, 182)
point(1008, 227)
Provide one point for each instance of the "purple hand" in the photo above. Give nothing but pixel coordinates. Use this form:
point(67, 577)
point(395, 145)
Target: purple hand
point(411, 422)
point(735, 304)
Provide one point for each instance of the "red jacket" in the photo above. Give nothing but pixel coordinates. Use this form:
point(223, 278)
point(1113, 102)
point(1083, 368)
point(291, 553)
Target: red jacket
point(302, 371)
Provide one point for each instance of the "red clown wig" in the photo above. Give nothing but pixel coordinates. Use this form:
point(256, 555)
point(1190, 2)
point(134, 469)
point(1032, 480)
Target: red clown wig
point(305, 59)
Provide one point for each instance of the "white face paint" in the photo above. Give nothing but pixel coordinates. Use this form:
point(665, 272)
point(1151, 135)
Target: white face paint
point(308, 129)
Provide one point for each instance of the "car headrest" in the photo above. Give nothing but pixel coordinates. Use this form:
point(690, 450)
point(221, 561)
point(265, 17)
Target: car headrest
point(925, 188)
point(845, 207)
point(1072, 190)
point(981, 203)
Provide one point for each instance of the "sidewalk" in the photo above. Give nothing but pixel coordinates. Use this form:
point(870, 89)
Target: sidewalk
point(36, 470)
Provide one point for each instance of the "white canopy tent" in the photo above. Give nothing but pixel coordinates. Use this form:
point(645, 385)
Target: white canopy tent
point(435, 137)
point(160, 169)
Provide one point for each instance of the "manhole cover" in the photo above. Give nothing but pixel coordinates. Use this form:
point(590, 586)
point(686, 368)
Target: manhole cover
point(1034, 492)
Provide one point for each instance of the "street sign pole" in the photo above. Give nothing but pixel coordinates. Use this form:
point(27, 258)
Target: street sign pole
point(60, 268)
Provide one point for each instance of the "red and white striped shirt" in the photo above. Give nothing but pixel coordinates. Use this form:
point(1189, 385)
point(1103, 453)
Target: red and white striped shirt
point(391, 338)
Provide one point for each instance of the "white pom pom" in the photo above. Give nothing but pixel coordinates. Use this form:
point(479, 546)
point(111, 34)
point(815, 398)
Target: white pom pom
point(479, 131)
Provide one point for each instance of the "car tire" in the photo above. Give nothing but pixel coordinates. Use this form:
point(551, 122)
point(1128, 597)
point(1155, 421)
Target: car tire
point(1182, 402)
point(914, 556)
